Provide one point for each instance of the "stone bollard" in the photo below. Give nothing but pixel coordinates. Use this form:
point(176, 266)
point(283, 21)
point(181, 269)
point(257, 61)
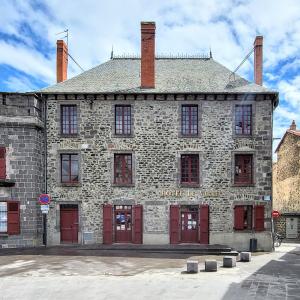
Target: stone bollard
point(245, 256)
point(229, 261)
point(192, 266)
point(211, 265)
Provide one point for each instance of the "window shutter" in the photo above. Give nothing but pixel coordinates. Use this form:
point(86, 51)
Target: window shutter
point(204, 224)
point(239, 217)
point(174, 224)
point(259, 218)
point(107, 224)
point(138, 224)
point(13, 217)
point(2, 163)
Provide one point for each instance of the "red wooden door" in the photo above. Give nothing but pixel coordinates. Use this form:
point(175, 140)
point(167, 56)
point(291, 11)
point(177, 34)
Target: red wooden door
point(138, 224)
point(204, 224)
point(174, 224)
point(189, 227)
point(69, 224)
point(123, 223)
point(107, 224)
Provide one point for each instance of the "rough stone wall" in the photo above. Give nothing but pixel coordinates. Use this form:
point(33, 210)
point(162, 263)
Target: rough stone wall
point(286, 176)
point(156, 146)
point(21, 132)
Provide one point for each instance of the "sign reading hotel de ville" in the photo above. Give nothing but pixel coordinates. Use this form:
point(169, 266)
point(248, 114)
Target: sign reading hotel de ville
point(189, 193)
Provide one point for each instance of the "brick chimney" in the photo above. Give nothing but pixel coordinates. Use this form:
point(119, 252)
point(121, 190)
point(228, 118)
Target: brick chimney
point(61, 61)
point(293, 126)
point(258, 60)
point(147, 55)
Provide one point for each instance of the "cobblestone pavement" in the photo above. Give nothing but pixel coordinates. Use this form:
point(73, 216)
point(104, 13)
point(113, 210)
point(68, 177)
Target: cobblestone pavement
point(268, 276)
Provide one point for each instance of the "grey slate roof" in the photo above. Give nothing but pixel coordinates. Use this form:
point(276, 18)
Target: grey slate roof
point(182, 75)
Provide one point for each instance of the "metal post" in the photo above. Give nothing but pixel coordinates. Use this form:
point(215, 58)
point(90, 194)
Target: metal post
point(45, 230)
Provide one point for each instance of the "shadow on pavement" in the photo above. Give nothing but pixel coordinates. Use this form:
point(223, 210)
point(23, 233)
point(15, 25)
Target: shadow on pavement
point(278, 279)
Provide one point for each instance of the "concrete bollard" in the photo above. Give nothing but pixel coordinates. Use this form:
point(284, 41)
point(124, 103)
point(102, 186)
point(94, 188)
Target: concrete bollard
point(211, 265)
point(192, 266)
point(229, 261)
point(245, 256)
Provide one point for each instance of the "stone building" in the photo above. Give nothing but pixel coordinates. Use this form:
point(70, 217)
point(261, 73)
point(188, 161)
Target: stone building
point(286, 183)
point(159, 150)
point(21, 169)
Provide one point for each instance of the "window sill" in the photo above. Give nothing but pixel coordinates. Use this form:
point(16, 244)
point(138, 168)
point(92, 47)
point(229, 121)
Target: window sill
point(123, 136)
point(189, 136)
point(243, 136)
point(69, 135)
point(3, 234)
point(189, 185)
point(243, 185)
point(7, 182)
point(123, 185)
point(77, 184)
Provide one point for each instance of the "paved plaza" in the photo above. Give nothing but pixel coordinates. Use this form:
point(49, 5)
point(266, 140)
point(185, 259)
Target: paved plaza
point(70, 274)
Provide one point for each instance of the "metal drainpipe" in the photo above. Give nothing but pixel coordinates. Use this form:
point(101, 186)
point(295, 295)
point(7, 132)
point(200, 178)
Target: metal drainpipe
point(45, 144)
point(45, 169)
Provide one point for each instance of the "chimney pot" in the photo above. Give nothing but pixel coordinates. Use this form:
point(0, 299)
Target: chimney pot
point(61, 61)
point(258, 60)
point(147, 55)
point(293, 126)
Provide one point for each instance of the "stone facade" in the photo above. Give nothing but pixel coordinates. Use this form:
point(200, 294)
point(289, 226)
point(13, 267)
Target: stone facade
point(156, 146)
point(286, 180)
point(22, 135)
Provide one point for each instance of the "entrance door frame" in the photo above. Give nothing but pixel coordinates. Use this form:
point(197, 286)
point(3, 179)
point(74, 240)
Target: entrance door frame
point(186, 210)
point(58, 222)
point(115, 211)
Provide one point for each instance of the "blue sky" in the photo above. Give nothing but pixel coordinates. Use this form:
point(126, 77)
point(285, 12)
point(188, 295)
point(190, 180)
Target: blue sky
point(28, 35)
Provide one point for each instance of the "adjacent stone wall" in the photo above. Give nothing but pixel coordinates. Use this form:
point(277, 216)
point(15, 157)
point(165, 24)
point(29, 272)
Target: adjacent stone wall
point(286, 176)
point(21, 132)
point(156, 146)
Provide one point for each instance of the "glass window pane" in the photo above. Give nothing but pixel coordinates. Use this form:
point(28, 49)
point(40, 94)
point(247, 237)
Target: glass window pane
point(3, 217)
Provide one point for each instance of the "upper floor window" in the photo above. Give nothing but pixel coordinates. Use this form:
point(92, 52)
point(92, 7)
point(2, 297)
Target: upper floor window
point(123, 119)
point(190, 169)
point(69, 119)
point(243, 119)
point(123, 169)
point(2, 163)
point(69, 168)
point(189, 119)
point(243, 169)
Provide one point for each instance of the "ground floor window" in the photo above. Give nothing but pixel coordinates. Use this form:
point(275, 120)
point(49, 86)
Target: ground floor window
point(248, 217)
point(3, 217)
point(10, 217)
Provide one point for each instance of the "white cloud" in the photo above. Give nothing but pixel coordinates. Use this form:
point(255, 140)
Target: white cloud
point(20, 84)
point(26, 60)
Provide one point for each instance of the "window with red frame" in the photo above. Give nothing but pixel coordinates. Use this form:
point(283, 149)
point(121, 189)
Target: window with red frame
point(10, 217)
point(69, 168)
point(248, 217)
point(123, 169)
point(243, 119)
point(2, 163)
point(190, 169)
point(243, 169)
point(189, 120)
point(69, 119)
point(123, 119)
